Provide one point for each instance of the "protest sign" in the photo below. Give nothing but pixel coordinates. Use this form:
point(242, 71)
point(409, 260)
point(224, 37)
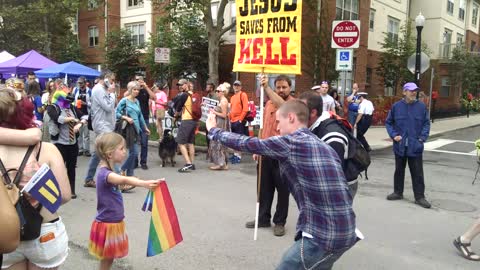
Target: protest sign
point(268, 36)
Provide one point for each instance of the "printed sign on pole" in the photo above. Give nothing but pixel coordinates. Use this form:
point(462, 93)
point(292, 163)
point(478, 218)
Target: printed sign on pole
point(345, 34)
point(162, 55)
point(268, 37)
point(344, 60)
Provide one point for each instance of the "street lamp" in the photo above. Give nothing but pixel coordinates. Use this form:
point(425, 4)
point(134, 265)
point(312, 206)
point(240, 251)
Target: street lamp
point(419, 22)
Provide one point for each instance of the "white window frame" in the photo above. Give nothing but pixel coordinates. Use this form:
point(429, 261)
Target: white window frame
point(460, 39)
point(136, 36)
point(450, 6)
point(92, 4)
point(93, 36)
point(347, 7)
point(371, 20)
point(445, 87)
point(134, 3)
point(393, 28)
point(214, 11)
point(461, 10)
point(475, 13)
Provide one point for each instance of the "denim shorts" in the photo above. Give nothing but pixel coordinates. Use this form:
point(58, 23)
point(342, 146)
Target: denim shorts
point(47, 251)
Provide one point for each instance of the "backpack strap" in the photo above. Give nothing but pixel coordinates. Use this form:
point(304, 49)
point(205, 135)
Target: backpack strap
point(19, 170)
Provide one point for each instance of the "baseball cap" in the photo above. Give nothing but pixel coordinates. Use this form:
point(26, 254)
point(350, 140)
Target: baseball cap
point(182, 82)
point(316, 87)
point(364, 94)
point(410, 86)
point(237, 82)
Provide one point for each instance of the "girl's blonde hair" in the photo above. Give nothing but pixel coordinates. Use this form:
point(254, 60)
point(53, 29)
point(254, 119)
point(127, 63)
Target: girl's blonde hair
point(106, 144)
point(225, 87)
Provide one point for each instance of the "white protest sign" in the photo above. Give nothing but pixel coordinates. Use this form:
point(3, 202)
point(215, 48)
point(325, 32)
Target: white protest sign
point(207, 104)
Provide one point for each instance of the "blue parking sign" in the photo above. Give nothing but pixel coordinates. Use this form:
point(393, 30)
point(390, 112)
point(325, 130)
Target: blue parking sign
point(344, 56)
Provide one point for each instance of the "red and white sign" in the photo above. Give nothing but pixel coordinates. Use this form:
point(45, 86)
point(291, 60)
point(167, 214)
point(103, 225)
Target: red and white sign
point(345, 34)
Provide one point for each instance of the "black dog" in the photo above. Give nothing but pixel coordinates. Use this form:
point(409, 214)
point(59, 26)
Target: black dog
point(167, 148)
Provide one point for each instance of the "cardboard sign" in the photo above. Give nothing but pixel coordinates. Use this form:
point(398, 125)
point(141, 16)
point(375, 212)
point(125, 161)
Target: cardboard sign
point(268, 36)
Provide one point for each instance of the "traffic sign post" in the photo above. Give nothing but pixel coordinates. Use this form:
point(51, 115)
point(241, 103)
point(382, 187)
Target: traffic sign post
point(162, 55)
point(345, 34)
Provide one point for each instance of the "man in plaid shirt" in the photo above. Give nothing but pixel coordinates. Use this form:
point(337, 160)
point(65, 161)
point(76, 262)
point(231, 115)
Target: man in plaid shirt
point(313, 171)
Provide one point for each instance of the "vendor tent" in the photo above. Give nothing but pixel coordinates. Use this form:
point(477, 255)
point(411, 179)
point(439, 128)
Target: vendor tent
point(5, 56)
point(29, 61)
point(70, 69)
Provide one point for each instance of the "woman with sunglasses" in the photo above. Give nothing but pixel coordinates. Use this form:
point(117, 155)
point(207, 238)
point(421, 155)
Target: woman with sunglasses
point(217, 152)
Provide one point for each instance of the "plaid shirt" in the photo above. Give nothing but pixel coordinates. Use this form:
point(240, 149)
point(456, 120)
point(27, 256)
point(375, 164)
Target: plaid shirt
point(315, 179)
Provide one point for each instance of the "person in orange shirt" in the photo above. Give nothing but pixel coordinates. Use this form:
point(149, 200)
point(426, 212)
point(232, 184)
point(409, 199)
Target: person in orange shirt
point(270, 172)
point(238, 111)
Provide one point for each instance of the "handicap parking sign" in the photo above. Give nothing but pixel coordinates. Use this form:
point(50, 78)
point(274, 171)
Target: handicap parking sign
point(344, 56)
point(344, 60)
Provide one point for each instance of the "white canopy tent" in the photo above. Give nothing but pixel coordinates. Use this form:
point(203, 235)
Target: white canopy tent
point(5, 56)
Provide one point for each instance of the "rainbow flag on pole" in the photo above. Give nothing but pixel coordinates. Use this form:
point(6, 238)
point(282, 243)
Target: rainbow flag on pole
point(164, 230)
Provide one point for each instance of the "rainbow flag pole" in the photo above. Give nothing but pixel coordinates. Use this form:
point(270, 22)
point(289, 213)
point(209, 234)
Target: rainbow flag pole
point(164, 232)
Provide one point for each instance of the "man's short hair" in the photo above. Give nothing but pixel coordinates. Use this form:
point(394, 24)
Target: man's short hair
point(297, 107)
point(314, 101)
point(106, 74)
point(283, 78)
point(81, 79)
point(30, 73)
point(212, 84)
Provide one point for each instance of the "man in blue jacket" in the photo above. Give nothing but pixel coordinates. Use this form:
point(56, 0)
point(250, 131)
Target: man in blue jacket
point(409, 126)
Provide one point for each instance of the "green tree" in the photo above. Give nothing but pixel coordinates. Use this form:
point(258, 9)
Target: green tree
point(122, 56)
point(465, 70)
point(319, 57)
point(187, 38)
point(42, 25)
point(215, 30)
point(396, 51)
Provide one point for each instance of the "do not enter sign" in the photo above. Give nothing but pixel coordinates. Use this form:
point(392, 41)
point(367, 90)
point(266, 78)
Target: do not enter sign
point(345, 34)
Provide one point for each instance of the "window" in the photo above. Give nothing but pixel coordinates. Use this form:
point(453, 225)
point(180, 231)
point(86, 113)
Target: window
point(347, 10)
point(473, 46)
point(389, 91)
point(461, 10)
point(447, 43)
point(392, 29)
point(74, 23)
point(371, 23)
point(135, 3)
point(459, 39)
point(450, 7)
point(445, 88)
point(233, 16)
point(369, 75)
point(474, 13)
point(137, 32)
point(214, 10)
point(92, 4)
point(93, 36)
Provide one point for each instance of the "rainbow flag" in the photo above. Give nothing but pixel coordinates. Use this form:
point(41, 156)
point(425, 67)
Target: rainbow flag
point(164, 230)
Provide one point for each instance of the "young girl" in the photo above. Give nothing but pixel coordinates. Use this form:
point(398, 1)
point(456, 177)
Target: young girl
point(108, 238)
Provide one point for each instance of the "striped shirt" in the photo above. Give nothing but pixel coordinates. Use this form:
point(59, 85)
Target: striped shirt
point(315, 178)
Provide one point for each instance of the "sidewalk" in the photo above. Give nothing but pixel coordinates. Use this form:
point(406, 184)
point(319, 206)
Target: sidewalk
point(378, 137)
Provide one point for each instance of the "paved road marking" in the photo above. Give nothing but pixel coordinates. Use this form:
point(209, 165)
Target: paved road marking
point(438, 143)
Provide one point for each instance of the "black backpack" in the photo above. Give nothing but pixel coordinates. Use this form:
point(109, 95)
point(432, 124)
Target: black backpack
point(358, 159)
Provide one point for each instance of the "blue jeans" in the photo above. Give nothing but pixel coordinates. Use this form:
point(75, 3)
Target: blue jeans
point(129, 164)
point(314, 257)
point(92, 166)
point(351, 117)
point(144, 148)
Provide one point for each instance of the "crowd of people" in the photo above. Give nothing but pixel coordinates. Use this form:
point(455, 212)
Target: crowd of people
point(302, 150)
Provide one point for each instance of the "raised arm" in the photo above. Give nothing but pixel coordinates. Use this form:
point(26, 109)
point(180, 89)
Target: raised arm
point(16, 137)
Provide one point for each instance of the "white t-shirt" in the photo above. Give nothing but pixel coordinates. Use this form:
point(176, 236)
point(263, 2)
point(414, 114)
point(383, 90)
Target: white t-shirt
point(366, 107)
point(328, 103)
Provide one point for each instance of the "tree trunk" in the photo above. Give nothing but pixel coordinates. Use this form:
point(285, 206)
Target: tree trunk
point(213, 53)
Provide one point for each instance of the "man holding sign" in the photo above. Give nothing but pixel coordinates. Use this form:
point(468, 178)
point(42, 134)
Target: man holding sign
point(270, 173)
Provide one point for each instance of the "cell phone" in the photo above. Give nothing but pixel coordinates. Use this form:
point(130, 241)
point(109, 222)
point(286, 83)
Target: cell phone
point(107, 83)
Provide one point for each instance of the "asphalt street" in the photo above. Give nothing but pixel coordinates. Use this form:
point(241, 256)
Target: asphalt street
point(213, 206)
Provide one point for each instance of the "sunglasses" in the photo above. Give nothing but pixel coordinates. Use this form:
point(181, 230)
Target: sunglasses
point(218, 91)
point(324, 82)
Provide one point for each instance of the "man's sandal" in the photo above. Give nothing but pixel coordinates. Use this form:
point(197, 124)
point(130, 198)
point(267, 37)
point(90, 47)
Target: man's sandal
point(464, 249)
